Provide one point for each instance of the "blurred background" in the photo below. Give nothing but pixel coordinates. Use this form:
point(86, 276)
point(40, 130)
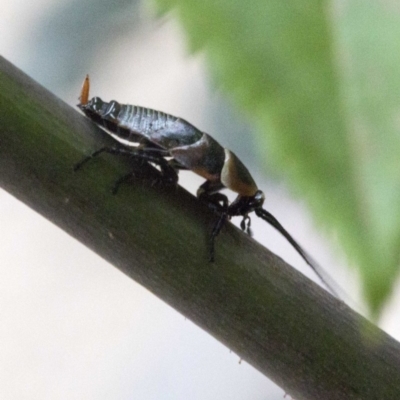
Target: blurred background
point(74, 327)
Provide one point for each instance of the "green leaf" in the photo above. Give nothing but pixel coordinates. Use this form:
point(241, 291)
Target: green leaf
point(320, 83)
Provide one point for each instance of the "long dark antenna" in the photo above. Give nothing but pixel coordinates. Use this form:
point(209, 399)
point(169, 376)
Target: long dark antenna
point(266, 216)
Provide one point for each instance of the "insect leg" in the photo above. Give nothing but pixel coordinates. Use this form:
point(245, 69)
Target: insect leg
point(170, 175)
point(147, 148)
point(208, 192)
point(80, 164)
point(169, 172)
point(173, 163)
point(177, 165)
point(152, 155)
point(109, 150)
point(120, 181)
point(154, 150)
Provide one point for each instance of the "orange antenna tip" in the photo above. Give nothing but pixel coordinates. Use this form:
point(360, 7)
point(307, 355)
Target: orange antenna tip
point(84, 97)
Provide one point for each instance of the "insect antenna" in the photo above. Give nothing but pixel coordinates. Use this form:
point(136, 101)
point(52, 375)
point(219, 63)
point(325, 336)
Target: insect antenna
point(322, 275)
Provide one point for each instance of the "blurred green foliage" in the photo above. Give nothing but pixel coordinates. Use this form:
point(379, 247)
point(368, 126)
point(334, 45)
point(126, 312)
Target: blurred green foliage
point(320, 80)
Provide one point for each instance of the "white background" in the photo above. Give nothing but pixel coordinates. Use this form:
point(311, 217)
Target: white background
point(71, 325)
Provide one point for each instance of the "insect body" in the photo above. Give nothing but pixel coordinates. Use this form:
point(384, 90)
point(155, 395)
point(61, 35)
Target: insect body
point(173, 143)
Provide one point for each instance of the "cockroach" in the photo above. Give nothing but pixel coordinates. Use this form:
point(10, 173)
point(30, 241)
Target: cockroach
point(174, 144)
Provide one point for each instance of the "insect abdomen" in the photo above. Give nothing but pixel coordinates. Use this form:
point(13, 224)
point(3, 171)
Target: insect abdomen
point(143, 120)
point(160, 128)
point(132, 122)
